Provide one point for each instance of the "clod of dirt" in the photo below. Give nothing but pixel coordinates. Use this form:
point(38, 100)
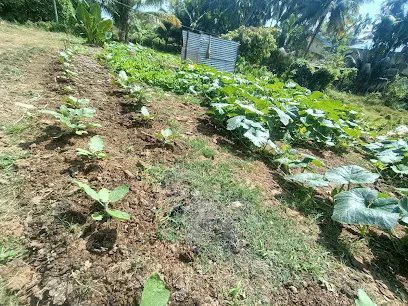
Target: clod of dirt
point(129, 174)
point(102, 242)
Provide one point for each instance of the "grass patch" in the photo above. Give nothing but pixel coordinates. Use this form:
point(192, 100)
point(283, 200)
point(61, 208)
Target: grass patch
point(7, 298)
point(380, 117)
point(200, 146)
point(10, 249)
point(224, 220)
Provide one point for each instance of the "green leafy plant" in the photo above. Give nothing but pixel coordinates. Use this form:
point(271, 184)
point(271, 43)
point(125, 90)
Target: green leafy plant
point(391, 155)
point(95, 29)
point(105, 197)
point(144, 115)
point(96, 147)
point(363, 299)
point(363, 206)
point(290, 159)
point(166, 136)
point(73, 119)
point(68, 89)
point(155, 292)
point(260, 110)
point(73, 102)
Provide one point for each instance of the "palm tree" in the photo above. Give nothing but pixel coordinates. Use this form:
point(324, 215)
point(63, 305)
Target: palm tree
point(122, 10)
point(338, 13)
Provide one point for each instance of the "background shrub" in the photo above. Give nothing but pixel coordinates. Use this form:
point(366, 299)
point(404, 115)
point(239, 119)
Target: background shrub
point(256, 44)
point(36, 10)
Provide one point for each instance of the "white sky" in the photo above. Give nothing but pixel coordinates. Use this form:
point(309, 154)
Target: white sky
point(371, 8)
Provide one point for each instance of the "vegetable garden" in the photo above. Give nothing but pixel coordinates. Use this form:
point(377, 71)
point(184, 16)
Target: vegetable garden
point(151, 181)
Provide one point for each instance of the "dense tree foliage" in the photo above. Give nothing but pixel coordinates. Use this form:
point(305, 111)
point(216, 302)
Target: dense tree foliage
point(36, 10)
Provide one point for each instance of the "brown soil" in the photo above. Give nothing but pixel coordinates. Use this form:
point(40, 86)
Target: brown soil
point(107, 263)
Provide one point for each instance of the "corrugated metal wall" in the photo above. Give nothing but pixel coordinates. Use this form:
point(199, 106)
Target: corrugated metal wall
point(212, 51)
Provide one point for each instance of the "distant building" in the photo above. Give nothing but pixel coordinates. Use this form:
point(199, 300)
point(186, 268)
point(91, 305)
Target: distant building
point(320, 45)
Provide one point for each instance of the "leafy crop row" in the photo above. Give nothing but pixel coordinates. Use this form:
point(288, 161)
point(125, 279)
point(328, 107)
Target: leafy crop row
point(264, 111)
point(261, 110)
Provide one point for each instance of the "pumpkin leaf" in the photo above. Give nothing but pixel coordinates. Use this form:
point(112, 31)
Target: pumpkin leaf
point(309, 179)
point(118, 214)
point(155, 292)
point(118, 193)
point(350, 174)
point(362, 206)
point(363, 299)
point(96, 144)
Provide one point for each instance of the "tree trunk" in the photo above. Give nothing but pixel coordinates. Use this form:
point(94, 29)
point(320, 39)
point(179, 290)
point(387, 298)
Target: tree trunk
point(316, 31)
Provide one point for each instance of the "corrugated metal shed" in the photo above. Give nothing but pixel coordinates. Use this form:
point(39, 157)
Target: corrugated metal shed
point(212, 51)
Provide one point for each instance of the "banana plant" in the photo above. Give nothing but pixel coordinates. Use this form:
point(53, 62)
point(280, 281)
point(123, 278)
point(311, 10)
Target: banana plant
point(95, 29)
point(105, 198)
point(96, 147)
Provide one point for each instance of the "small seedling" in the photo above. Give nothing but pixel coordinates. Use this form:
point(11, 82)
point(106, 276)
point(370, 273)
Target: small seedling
point(69, 73)
point(123, 79)
point(155, 292)
point(166, 136)
point(144, 115)
point(105, 197)
point(73, 102)
point(72, 119)
point(68, 89)
point(96, 147)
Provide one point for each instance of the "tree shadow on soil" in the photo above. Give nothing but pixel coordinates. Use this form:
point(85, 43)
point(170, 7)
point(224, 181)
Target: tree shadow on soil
point(49, 134)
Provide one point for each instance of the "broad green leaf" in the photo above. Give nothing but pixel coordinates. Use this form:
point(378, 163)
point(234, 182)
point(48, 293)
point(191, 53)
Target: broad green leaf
point(105, 26)
point(118, 215)
point(400, 169)
point(167, 132)
point(118, 193)
point(80, 151)
point(362, 206)
point(390, 156)
point(104, 195)
point(97, 216)
point(310, 179)
point(315, 95)
point(363, 299)
point(144, 111)
point(350, 174)
point(311, 159)
point(123, 78)
point(283, 117)
point(96, 144)
point(403, 205)
point(234, 123)
point(155, 292)
point(257, 137)
point(88, 190)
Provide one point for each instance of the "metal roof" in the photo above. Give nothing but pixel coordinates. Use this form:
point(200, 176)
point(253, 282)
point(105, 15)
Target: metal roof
point(210, 50)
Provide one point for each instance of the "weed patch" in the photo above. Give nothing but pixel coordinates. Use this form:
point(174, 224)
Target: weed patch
point(228, 228)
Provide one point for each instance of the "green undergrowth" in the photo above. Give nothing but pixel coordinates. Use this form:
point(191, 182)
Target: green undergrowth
point(379, 117)
point(226, 225)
